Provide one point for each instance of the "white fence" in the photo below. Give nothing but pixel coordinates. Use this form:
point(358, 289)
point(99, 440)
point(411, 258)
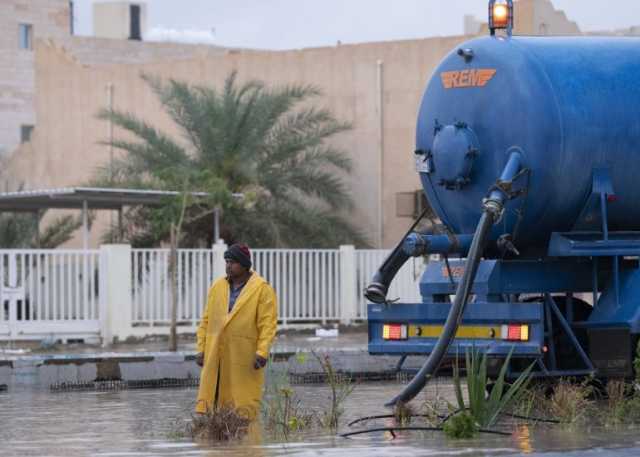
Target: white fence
point(405, 286)
point(49, 293)
point(307, 282)
point(121, 292)
point(150, 289)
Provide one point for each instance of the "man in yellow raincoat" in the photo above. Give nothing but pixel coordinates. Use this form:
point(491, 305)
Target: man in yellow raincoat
point(234, 336)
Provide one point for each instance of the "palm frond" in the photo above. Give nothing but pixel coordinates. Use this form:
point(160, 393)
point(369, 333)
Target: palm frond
point(59, 231)
point(157, 150)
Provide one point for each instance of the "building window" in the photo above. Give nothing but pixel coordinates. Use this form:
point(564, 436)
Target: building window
point(25, 133)
point(410, 204)
point(26, 36)
point(134, 26)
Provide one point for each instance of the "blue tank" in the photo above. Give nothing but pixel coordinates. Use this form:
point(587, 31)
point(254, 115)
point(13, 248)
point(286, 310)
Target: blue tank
point(571, 105)
point(531, 144)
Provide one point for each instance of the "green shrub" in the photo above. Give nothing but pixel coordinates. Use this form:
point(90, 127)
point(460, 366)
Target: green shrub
point(570, 402)
point(460, 426)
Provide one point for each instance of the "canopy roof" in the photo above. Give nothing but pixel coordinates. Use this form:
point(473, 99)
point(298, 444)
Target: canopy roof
point(77, 197)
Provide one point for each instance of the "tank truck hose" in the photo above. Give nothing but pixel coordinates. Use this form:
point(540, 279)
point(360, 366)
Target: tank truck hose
point(493, 206)
point(376, 292)
point(455, 313)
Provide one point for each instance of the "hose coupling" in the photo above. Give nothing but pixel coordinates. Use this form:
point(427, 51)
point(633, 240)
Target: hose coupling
point(415, 245)
point(494, 207)
point(376, 293)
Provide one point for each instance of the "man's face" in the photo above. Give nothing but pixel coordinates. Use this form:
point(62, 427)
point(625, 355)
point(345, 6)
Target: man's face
point(233, 268)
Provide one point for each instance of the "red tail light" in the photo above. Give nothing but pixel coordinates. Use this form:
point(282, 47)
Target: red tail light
point(394, 332)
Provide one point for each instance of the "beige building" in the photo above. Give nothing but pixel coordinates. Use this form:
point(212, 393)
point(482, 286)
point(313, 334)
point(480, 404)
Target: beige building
point(120, 20)
point(375, 86)
point(23, 23)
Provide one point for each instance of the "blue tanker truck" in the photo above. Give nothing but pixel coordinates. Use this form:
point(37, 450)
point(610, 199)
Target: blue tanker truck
point(528, 150)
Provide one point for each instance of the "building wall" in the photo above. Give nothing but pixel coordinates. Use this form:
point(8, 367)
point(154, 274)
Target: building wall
point(548, 21)
point(377, 87)
point(73, 89)
point(49, 18)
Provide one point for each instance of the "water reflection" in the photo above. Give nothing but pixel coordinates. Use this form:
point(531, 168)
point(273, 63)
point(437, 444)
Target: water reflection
point(34, 423)
point(522, 437)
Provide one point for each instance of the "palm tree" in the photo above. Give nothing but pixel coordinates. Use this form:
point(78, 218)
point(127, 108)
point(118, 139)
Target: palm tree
point(266, 143)
point(20, 231)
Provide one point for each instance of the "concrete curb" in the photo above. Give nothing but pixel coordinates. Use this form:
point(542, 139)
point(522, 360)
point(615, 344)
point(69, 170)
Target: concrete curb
point(131, 370)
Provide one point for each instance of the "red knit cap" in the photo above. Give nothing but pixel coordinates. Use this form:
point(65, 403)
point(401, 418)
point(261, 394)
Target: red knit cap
point(245, 250)
point(240, 253)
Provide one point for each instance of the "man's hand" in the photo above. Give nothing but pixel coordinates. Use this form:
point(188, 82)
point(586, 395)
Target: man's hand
point(260, 362)
point(200, 359)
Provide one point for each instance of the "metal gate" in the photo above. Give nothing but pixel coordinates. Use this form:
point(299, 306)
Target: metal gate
point(49, 295)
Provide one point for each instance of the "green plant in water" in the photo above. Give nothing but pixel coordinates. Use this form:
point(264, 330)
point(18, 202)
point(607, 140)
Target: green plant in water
point(301, 358)
point(570, 402)
point(286, 414)
point(530, 402)
point(340, 386)
point(403, 412)
point(636, 362)
point(484, 409)
point(282, 411)
point(616, 392)
point(460, 426)
point(623, 399)
point(628, 411)
point(432, 408)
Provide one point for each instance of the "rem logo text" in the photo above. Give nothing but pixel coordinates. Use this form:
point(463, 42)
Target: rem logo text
point(467, 78)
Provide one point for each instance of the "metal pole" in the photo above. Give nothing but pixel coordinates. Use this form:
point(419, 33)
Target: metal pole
point(616, 279)
point(216, 224)
point(110, 136)
point(120, 226)
point(595, 281)
point(85, 226)
point(380, 90)
point(36, 223)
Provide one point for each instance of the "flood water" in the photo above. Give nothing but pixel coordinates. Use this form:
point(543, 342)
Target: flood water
point(141, 422)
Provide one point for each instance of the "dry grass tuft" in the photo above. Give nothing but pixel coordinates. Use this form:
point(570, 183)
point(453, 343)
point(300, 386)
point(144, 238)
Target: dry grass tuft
point(403, 412)
point(616, 393)
point(570, 402)
point(224, 423)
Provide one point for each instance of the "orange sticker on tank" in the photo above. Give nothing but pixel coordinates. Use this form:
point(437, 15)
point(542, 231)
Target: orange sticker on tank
point(467, 78)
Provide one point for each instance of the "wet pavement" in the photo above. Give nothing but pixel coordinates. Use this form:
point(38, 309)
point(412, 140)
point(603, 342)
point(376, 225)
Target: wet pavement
point(143, 423)
point(37, 422)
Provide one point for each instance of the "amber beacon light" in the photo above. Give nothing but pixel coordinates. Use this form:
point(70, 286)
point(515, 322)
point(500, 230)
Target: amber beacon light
point(501, 16)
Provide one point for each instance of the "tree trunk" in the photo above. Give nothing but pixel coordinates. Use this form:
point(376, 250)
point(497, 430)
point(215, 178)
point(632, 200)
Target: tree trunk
point(173, 289)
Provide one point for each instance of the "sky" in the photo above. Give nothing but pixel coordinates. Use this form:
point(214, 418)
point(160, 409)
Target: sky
point(290, 24)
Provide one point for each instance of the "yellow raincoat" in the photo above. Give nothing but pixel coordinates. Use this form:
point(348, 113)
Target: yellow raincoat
point(230, 342)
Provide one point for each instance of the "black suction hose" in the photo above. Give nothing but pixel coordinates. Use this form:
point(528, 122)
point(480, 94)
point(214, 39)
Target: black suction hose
point(376, 292)
point(455, 313)
point(491, 213)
